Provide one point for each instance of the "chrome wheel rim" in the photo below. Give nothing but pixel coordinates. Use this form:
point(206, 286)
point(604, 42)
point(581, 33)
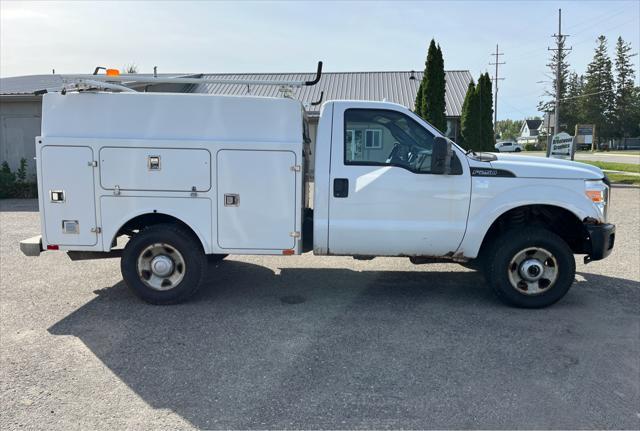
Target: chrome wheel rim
point(161, 266)
point(533, 271)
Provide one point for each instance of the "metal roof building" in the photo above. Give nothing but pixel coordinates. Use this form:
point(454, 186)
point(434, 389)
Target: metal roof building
point(396, 87)
point(20, 104)
point(30, 84)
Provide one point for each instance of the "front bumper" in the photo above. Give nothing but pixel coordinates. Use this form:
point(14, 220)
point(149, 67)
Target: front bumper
point(600, 241)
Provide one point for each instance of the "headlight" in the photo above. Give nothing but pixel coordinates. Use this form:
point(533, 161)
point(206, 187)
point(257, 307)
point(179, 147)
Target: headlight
point(598, 192)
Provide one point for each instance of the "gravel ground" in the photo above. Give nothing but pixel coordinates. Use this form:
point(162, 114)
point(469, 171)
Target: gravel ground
point(309, 342)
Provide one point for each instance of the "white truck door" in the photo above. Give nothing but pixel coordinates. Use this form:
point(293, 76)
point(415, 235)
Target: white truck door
point(383, 199)
point(68, 195)
point(256, 200)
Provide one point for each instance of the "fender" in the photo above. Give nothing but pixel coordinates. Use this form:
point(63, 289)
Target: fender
point(492, 197)
point(194, 213)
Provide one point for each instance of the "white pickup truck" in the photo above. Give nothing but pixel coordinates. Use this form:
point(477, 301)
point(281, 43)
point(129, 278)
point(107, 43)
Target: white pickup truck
point(193, 178)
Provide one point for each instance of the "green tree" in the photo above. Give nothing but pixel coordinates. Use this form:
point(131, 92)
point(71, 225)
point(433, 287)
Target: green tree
point(559, 88)
point(431, 94)
point(634, 109)
point(598, 100)
point(470, 122)
point(485, 100)
point(623, 114)
point(508, 129)
point(418, 104)
point(572, 105)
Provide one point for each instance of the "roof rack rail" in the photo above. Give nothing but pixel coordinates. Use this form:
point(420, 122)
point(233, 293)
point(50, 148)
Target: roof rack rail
point(118, 82)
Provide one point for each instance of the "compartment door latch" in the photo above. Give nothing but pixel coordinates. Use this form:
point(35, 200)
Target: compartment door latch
point(231, 200)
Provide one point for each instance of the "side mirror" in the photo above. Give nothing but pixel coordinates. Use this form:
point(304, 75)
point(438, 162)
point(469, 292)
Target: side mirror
point(441, 156)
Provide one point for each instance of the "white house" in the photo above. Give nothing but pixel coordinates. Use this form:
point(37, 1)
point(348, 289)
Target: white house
point(529, 132)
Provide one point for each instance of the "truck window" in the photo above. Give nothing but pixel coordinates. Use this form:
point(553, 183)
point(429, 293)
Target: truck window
point(386, 138)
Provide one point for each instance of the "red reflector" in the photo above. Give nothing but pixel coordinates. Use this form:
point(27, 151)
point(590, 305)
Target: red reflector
point(53, 247)
point(288, 252)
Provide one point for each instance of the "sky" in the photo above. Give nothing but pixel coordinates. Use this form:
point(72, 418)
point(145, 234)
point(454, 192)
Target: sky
point(246, 36)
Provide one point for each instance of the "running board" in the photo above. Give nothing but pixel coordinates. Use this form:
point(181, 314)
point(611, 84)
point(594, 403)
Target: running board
point(90, 255)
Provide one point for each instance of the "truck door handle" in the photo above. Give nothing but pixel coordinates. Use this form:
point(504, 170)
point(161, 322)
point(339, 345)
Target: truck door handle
point(340, 187)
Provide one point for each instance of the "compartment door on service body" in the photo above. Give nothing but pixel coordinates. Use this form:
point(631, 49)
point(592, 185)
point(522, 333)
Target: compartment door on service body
point(383, 199)
point(68, 195)
point(256, 200)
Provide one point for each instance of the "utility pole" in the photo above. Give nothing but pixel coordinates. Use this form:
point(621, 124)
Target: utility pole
point(560, 40)
point(495, 80)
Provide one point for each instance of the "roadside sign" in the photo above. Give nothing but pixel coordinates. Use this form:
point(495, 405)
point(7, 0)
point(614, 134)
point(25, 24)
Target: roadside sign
point(562, 146)
point(584, 135)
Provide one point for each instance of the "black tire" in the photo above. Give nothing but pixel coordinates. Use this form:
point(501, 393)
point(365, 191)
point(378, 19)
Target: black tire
point(189, 264)
point(502, 267)
point(215, 258)
point(518, 150)
point(475, 264)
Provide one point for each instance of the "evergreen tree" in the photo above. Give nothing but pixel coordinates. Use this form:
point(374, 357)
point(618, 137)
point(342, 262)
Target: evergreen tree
point(634, 110)
point(437, 114)
point(418, 104)
point(625, 75)
point(431, 93)
point(485, 101)
point(470, 123)
point(550, 95)
point(599, 100)
point(571, 109)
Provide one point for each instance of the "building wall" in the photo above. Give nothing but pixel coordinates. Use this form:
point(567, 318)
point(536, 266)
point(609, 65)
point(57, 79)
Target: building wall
point(19, 126)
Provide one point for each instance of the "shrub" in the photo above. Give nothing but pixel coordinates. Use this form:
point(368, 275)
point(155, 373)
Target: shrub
point(15, 184)
point(530, 147)
point(21, 173)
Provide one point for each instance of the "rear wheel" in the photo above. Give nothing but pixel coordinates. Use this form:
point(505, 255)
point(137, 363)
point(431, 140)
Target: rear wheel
point(530, 268)
point(163, 264)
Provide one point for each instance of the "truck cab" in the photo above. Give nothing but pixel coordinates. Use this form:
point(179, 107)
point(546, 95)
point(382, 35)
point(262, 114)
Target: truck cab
point(190, 179)
point(377, 192)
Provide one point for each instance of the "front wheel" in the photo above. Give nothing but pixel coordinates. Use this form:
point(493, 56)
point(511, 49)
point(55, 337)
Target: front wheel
point(518, 150)
point(163, 264)
point(215, 258)
point(530, 268)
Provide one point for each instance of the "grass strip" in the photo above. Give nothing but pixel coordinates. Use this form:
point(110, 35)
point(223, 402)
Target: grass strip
point(614, 166)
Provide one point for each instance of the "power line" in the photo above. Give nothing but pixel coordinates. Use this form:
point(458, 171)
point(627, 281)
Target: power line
point(583, 26)
point(495, 80)
point(587, 95)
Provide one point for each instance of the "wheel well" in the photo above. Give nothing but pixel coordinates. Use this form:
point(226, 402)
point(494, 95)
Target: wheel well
point(142, 221)
point(558, 220)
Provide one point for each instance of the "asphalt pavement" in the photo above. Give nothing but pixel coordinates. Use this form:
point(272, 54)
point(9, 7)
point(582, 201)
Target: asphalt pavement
point(315, 342)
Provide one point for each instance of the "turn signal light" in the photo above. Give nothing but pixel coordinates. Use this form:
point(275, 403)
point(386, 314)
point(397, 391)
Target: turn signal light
point(596, 196)
point(113, 72)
